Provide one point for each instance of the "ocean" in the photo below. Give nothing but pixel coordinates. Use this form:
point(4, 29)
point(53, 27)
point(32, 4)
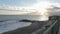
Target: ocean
point(11, 22)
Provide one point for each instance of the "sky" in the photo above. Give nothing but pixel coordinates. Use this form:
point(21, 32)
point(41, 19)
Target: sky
point(23, 3)
point(17, 2)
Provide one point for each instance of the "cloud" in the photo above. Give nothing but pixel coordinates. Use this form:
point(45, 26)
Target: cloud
point(7, 7)
point(38, 5)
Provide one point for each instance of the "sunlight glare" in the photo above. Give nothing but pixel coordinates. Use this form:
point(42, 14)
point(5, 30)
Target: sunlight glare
point(42, 6)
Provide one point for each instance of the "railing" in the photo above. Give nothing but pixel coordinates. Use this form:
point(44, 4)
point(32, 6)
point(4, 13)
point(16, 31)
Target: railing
point(52, 29)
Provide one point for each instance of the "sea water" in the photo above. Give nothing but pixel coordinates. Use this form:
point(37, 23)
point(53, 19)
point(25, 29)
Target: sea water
point(11, 22)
